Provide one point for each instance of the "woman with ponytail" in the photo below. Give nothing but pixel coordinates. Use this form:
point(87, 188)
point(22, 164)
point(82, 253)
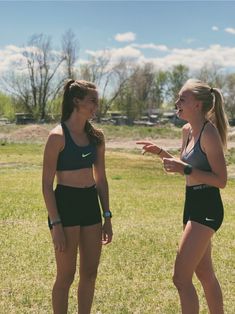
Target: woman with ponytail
point(202, 161)
point(75, 155)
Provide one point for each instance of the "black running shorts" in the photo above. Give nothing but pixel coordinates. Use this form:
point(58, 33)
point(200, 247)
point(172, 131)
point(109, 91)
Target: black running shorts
point(77, 206)
point(203, 204)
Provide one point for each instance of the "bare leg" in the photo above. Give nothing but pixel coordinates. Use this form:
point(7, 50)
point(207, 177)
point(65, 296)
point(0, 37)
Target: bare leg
point(193, 245)
point(66, 268)
point(90, 250)
point(206, 275)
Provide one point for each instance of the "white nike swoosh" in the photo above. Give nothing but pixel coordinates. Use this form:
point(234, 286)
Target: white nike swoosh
point(209, 219)
point(85, 155)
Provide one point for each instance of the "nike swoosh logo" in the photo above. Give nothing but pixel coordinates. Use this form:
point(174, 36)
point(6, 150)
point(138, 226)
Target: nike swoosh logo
point(85, 155)
point(209, 219)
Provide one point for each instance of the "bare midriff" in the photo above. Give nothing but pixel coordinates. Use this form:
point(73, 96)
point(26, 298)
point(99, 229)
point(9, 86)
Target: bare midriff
point(191, 182)
point(80, 178)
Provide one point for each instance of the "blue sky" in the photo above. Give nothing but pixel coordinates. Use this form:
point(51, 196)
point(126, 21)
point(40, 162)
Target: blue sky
point(164, 32)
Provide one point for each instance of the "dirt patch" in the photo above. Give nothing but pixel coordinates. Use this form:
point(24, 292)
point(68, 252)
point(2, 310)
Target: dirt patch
point(131, 144)
point(29, 133)
point(38, 134)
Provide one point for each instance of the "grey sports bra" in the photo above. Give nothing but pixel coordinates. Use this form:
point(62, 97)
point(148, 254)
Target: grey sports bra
point(196, 157)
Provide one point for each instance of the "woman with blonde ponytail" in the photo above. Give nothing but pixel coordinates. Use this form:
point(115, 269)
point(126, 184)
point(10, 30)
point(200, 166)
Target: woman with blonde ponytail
point(202, 161)
point(75, 155)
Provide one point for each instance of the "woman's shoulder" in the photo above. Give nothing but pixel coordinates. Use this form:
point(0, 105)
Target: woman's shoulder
point(56, 135)
point(210, 134)
point(210, 129)
point(57, 130)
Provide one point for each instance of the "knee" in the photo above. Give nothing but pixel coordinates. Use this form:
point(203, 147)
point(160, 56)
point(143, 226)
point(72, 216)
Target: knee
point(205, 275)
point(88, 274)
point(65, 280)
point(181, 282)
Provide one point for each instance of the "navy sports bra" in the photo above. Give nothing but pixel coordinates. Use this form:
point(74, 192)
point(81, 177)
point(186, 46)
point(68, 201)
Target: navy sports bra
point(196, 157)
point(74, 157)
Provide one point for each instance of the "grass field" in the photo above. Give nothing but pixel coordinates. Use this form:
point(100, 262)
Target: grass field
point(136, 269)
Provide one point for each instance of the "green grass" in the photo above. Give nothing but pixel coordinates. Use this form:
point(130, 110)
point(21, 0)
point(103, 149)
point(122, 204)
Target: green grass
point(137, 132)
point(135, 270)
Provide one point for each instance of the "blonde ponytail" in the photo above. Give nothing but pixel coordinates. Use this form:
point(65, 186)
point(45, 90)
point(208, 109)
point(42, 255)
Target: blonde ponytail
point(218, 116)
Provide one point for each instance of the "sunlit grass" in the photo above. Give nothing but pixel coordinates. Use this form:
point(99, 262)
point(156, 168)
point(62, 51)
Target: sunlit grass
point(136, 269)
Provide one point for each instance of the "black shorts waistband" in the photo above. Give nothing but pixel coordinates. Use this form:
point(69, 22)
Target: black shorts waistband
point(71, 188)
point(199, 187)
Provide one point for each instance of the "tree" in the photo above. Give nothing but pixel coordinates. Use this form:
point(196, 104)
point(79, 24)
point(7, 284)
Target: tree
point(37, 82)
point(109, 77)
point(229, 95)
point(211, 75)
point(70, 52)
point(135, 96)
point(159, 91)
point(177, 77)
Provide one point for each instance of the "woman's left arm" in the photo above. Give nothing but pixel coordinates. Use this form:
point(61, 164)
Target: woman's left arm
point(103, 191)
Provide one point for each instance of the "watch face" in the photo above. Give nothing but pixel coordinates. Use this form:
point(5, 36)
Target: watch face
point(188, 169)
point(107, 214)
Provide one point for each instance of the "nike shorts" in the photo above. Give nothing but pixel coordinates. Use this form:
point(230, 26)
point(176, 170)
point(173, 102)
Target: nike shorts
point(203, 204)
point(77, 206)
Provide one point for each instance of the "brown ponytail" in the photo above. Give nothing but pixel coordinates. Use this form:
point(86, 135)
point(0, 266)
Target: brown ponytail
point(67, 102)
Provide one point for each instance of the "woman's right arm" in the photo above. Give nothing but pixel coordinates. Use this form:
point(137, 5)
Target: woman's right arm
point(51, 152)
point(149, 147)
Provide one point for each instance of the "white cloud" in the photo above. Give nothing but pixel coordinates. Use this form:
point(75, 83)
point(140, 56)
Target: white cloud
point(215, 28)
point(194, 59)
point(11, 56)
point(125, 52)
point(151, 46)
point(189, 40)
point(230, 30)
point(125, 37)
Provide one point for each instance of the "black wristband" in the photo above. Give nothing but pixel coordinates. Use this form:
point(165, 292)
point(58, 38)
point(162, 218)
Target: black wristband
point(159, 151)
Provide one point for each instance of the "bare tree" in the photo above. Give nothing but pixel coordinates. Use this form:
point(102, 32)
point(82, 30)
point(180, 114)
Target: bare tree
point(110, 78)
point(212, 75)
point(37, 82)
point(70, 49)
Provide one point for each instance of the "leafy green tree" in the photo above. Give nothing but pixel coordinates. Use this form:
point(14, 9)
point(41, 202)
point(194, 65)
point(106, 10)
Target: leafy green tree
point(229, 95)
point(7, 110)
point(177, 77)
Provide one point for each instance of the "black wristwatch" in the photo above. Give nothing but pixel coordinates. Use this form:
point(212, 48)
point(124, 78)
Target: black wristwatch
point(188, 170)
point(107, 214)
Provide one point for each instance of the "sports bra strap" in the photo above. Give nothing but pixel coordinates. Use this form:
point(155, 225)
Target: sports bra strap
point(202, 129)
point(66, 131)
point(199, 134)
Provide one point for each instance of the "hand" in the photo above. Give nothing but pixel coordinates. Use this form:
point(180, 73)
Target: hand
point(107, 232)
point(173, 165)
point(58, 237)
point(149, 147)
